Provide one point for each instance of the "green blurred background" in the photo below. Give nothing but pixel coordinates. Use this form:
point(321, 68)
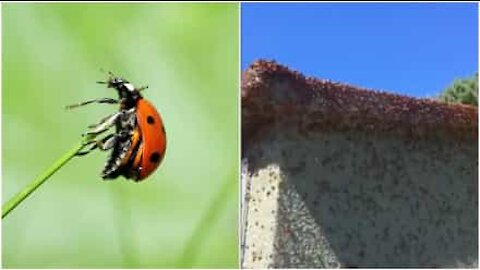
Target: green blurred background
point(186, 213)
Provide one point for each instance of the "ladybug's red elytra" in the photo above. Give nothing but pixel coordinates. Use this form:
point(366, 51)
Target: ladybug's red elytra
point(139, 141)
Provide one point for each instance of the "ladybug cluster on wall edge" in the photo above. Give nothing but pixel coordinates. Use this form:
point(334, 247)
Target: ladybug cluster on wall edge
point(139, 142)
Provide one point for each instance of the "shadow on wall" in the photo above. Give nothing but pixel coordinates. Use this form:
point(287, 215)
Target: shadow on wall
point(359, 201)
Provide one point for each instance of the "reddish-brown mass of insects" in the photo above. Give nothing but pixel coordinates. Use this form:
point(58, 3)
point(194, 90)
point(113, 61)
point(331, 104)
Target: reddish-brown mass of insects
point(274, 95)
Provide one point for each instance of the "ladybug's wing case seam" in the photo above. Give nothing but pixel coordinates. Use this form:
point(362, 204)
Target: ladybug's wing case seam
point(131, 167)
point(136, 140)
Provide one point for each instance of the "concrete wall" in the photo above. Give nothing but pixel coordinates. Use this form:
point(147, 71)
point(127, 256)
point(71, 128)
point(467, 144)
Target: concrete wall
point(339, 176)
point(352, 200)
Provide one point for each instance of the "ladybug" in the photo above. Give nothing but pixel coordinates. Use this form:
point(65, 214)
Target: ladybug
point(139, 141)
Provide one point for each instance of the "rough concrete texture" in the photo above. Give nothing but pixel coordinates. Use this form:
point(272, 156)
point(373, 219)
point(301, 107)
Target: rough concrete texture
point(344, 195)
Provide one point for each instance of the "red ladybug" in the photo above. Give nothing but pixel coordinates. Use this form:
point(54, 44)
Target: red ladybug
point(139, 141)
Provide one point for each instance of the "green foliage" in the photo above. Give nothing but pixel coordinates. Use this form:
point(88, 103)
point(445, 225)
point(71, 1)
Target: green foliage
point(463, 91)
point(188, 56)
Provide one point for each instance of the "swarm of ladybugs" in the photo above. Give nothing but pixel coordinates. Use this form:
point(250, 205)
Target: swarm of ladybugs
point(138, 142)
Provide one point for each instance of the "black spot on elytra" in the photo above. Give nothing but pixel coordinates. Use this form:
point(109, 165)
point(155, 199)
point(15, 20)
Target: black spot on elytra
point(150, 120)
point(155, 157)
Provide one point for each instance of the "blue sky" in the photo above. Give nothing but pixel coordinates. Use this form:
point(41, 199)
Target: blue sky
point(416, 49)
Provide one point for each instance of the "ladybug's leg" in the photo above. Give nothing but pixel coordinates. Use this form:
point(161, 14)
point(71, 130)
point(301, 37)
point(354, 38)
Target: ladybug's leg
point(109, 122)
point(103, 120)
point(104, 125)
point(82, 153)
point(108, 142)
point(98, 100)
point(104, 144)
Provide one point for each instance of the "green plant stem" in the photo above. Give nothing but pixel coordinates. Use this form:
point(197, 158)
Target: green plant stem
point(32, 186)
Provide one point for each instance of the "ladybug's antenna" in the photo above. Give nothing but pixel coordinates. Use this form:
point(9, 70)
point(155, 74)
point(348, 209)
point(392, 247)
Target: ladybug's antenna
point(110, 75)
point(141, 88)
point(109, 72)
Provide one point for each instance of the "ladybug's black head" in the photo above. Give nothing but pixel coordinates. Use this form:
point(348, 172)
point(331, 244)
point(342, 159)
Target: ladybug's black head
point(125, 89)
point(116, 82)
point(120, 84)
